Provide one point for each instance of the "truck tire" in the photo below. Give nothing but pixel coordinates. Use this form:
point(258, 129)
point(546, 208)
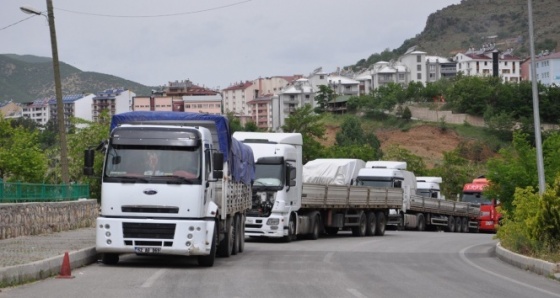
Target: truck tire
point(316, 228)
point(458, 225)
point(381, 223)
point(208, 261)
point(451, 224)
point(421, 226)
point(465, 225)
point(371, 223)
point(110, 259)
point(360, 230)
point(291, 229)
point(242, 233)
point(226, 245)
point(235, 230)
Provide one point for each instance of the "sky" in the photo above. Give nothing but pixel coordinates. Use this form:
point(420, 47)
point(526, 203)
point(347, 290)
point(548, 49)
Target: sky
point(213, 43)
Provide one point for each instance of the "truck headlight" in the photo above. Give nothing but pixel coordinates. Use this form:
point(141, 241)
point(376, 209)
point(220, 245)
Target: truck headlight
point(273, 221)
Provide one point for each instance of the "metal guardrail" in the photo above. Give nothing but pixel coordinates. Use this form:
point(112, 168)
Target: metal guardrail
point(18, 192)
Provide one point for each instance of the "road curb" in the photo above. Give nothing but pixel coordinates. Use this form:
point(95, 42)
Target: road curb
point(537, 266)
point(19, 274)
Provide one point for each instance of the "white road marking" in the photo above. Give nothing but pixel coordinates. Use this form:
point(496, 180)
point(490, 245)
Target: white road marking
point(464, 257)
point(150, 281)
point(356, 293)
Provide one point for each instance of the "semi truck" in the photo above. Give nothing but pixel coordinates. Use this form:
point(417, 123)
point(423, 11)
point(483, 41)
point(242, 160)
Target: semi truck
point(173, 183)
point(422, 208)
point(293, 201)
point(473, 193)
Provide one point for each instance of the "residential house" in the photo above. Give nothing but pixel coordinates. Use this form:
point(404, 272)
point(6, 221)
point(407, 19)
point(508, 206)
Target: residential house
point(10, 110)
point(75, 105)
point(114, 101)
point(37, 110)
point(547, 68)
point(480, 63)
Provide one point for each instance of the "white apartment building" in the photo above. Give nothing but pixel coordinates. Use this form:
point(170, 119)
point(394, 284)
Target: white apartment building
point(38, 110)
point(547, 68)
point(480, 63)
point(75, 105)
point(439, 68)
point(298, 94)
point(115, 101)
point(415, 62)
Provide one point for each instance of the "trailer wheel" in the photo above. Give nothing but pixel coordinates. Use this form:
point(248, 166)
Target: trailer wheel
point(360, 230)
point(235, 230)
point(226, 245)
point(458, 225)
point(316, 227)
point(381, 223)
point(208, 261)
point(371, 223)
point(451, 224)
point(465, 225)
point(421, 222)
point(110, 259)
point(242, 233)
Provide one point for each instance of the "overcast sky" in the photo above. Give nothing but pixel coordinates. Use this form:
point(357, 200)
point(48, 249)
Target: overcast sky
point(213, 43)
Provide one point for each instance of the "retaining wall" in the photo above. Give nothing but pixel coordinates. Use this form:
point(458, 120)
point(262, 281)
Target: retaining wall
point(24, 219)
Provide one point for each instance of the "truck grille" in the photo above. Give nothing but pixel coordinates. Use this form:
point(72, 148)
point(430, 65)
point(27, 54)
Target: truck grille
point(148, 230)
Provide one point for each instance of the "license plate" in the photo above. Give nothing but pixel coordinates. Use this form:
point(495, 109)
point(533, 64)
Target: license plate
point(147, 250)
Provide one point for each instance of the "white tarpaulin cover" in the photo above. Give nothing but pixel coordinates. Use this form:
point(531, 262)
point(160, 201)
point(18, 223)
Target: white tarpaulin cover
point(332, 171)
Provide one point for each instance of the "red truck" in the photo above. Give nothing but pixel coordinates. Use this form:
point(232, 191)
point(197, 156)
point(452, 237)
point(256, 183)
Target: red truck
point(489, 217)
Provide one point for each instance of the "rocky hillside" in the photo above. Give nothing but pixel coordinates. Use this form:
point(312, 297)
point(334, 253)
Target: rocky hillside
point(25, 78)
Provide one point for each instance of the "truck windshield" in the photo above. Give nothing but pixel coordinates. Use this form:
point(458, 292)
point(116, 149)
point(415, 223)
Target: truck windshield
point(268, 175)
point(166, 164)
point(375, 183)
point(475, 197)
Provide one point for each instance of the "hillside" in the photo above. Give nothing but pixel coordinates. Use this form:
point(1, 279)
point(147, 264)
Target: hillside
point(473, 23)
point(26, 78)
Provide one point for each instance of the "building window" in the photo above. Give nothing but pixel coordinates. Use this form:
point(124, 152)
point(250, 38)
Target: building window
point(419, 76)
point(419, 67)
point(418, 58)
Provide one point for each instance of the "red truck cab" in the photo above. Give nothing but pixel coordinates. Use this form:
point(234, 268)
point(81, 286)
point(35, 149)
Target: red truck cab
point(489, 217)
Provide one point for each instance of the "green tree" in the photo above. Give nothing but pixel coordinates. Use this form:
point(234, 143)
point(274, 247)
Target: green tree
point(351, 133)
point(309, 124)
point(407, 114)
point(251, 126)
point(455, 171)
point(325, 94)
point(21, 158)
point(234, 122)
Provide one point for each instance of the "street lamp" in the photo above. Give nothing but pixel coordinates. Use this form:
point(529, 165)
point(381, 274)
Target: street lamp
point(58, 88)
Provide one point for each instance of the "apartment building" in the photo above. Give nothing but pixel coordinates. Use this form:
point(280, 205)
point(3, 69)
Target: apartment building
point(480, 63)
point(547, 68)
point(261, 111)
point(37, 110)
point(114, 101)
point(10, 110)
point(438, 68)
point(74, 105)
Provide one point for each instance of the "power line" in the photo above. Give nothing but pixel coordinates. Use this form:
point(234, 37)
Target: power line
point(155, 16)
point(17, 22)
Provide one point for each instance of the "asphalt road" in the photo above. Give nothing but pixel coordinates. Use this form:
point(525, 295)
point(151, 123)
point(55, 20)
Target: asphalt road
point(400, 264)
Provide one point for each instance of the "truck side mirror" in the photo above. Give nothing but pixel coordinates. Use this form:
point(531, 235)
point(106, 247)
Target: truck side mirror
point(89, 156)
point(218, 161)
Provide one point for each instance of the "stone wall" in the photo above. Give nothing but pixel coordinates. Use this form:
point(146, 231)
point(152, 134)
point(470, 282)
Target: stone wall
point(431, 115)
point(24, 219)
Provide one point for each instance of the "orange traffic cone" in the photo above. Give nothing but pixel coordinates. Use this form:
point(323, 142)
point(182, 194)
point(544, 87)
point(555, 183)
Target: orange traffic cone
point(65, 268)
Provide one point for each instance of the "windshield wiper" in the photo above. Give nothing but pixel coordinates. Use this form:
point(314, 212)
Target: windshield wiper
point(177, 179)
point(131, 179)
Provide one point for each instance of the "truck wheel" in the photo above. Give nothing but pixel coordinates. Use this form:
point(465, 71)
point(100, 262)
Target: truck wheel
point(316, 227)
point(371, 224)
point(110, 259)
point(360, 230)
point(465, 225)
point(226, 245)
point(451, 224)
point(235, 232)
point(208, 261)
point(421, 222)
point(458, 225)
point(291, 229)
point(381, 223)
point(242, 233)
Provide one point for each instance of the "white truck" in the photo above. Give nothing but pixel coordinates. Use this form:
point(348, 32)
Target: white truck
point(422, 207)
point(193, 204)
point(277, 186)
point(291, 200)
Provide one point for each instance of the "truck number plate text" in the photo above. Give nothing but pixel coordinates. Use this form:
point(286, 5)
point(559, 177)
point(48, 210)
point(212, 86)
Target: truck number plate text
point(147, 250)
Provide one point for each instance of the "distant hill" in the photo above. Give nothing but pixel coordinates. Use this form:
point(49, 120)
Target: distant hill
point(24, 78)
point(473, 23)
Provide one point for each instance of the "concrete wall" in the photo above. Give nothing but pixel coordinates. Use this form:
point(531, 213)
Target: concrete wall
point(24, 219)
point(427, 114)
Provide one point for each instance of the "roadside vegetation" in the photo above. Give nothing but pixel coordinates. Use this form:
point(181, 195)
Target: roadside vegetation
point(531, 223)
